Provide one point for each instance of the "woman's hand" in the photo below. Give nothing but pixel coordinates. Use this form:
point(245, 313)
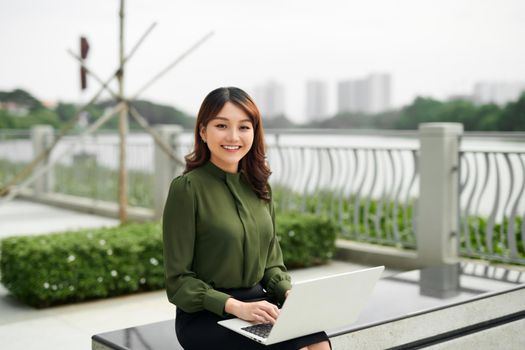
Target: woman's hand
point(258, 311)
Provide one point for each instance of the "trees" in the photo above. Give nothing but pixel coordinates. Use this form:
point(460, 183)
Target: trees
point(64, 112)
point(512, 118)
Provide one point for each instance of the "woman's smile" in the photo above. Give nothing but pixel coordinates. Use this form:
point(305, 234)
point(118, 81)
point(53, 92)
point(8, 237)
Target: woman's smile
point(231, 148)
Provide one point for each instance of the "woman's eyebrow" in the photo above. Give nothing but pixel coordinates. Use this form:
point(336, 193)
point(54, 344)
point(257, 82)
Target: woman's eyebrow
point(228, 120)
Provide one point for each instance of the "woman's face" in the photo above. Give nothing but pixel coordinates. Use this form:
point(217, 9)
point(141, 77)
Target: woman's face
point(229, 136)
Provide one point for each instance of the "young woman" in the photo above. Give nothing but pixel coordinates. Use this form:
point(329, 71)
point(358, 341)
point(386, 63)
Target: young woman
point(221, 255)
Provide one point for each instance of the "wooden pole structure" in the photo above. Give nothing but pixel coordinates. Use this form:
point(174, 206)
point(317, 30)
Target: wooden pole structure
point(123, 128)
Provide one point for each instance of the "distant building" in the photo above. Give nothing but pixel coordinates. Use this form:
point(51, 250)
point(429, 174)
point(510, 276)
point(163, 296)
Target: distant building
point(498, 92)
point(14, 108)
point(351, 96)
point(369, 95)
point(316, 100)
point(270, 99)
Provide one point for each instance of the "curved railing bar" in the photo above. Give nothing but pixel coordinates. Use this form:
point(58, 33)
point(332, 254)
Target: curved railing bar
point(511, 240)
point(396, 198)
point(373, 157)
point(349, 177)
point(306, 180)
point(492, 218)
point(295, 178)
point(341, 187)
point(407, 189)
point(511, 234)
point(282, 174)
point(280, 181)
point(523, 217)
point(289, 161)
point(318, 183)
point(310, 177)
point(354, 187)
point(323, 193)
point(358, 195)
point(410, 187)
point(466, 212)
point(346, 191)
point(380, 204)
point(332, 180)
point(389, 212)
point(480, 196)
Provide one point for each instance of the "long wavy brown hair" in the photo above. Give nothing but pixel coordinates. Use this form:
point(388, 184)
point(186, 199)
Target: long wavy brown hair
point(253, 165)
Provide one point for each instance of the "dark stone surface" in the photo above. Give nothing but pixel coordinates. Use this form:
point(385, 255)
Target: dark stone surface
point(393, 298)
point(160, 335)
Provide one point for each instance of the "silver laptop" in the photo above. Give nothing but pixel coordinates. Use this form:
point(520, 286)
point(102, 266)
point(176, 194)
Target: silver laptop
point(315, 305)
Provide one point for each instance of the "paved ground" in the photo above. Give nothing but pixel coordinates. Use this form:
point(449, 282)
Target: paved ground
point(26, 218)
point(71, 326)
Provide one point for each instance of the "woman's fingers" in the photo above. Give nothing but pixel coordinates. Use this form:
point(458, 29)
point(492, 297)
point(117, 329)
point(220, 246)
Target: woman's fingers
point(271, 309)
point(266, 312)
point(259, 311)
point(264, 317)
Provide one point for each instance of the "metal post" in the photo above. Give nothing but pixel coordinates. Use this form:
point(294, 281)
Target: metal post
point(437, 226)
point(42, 138)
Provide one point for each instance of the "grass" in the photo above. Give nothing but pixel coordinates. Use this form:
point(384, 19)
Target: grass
point(86, 179)
point(358, 219)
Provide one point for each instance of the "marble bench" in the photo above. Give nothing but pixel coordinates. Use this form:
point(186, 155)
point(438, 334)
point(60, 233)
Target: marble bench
point(455, 306)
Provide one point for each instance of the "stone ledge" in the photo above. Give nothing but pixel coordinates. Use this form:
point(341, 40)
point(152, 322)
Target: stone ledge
point(417, 327)
point(373, 254)
point(87, 205)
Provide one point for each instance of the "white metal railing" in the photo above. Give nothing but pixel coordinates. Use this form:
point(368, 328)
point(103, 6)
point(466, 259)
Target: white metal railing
point(492, 197)
point(371, 189)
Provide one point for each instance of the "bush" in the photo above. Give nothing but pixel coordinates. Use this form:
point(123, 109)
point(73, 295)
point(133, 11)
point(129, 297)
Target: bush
point(74, 266)
point(305, 239)
point(69, 267)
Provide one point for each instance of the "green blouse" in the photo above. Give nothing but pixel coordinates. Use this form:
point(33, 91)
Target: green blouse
point(218, 234)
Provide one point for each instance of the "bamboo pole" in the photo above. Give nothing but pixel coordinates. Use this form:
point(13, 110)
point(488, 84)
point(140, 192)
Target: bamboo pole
point(132, 110)
point(24, 173)
point(171, 65)
point(123, 127)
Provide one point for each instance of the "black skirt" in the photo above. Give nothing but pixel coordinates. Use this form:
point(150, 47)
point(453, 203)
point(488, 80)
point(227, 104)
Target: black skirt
point(199, 330)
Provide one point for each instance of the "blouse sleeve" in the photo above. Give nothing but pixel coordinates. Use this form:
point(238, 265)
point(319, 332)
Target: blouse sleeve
point(276, 280)
point(183, 287)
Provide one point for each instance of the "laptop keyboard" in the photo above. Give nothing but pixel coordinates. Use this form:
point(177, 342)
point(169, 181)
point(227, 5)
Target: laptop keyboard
point(262, 330)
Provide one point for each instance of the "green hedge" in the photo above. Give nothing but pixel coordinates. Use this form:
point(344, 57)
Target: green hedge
point(73, 266)
point(306, 239)
point(69, 267)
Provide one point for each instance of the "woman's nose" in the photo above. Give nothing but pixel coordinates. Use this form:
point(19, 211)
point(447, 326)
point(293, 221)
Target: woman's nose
point(233, 135)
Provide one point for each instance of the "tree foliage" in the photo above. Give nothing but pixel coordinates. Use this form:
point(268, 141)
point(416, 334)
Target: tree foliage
point(22, 98)
point(490, 117)
point(64, 112)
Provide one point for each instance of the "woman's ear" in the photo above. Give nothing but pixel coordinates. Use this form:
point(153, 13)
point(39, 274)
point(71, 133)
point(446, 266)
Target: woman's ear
point(202, 132)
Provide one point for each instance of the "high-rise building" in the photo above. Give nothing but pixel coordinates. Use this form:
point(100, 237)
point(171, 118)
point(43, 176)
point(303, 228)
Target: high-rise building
point(352, 96)
point(316, 104)
point(498, 92)
point(369, 95)
point(378, 92)
point(269, 97)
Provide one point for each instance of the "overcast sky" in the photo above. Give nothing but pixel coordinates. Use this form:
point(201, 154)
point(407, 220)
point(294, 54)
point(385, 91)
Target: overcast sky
point(431, 48)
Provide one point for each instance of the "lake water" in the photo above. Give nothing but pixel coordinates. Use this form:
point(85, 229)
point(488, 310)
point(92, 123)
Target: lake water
point(336, 171)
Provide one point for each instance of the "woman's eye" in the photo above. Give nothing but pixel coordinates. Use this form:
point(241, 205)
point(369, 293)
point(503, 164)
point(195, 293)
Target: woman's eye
point(220, 126)
point(245, 127)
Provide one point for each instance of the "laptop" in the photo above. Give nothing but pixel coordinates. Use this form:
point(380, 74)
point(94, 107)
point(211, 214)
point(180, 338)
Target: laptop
point(331, 302)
